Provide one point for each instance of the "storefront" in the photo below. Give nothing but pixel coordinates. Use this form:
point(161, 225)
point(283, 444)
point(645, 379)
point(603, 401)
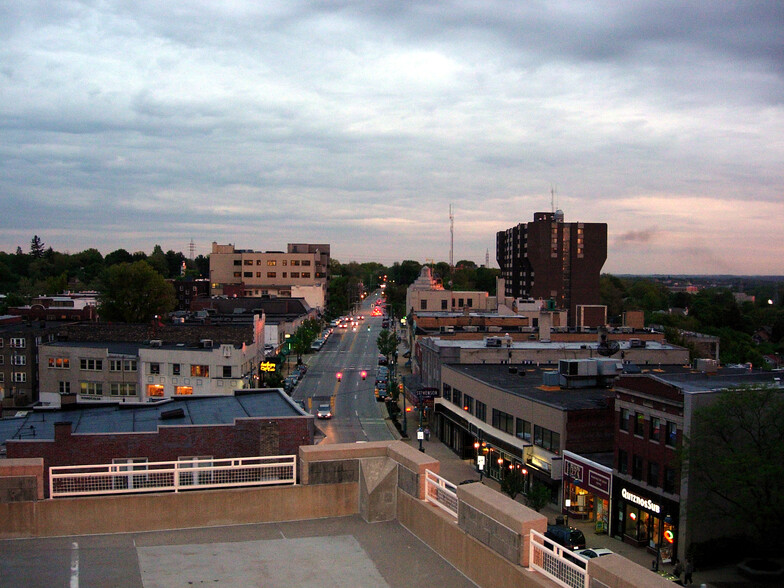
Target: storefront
point(587, 488)
point(645, 519)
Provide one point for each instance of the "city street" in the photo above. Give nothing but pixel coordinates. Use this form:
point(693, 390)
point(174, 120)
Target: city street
point(356, 415)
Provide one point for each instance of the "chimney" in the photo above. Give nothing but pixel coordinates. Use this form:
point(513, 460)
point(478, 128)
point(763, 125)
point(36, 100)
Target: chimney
point(62, 430)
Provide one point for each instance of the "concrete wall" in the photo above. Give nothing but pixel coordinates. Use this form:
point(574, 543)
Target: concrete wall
point(151, 512)
point(31, 470)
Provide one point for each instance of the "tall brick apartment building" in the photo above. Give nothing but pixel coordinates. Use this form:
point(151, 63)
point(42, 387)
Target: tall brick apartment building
point(552, 259)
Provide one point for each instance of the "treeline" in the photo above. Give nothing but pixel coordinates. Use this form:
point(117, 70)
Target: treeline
point(748, 330)
point(43, 271)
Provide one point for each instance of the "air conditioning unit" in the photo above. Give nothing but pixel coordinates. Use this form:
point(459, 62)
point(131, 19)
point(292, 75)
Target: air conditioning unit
point(206, 343)
point(156, 343)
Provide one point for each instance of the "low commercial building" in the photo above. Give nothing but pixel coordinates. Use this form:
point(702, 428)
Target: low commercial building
point(124, 366)
point(254, 422)
point(523, 417)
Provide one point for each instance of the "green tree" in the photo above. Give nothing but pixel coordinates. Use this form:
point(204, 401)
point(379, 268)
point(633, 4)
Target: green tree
point(37, 247)
point(387, 343)
point(733, 459)
point(134, 293)
point(158, 261)
point(513, 483)
point(203, 265)
point(118, 256)
point(538, 497)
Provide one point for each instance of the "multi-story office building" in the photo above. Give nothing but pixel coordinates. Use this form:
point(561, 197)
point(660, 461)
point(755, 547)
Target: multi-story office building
point(552, 259)
point(299, 272)
point(19, 341)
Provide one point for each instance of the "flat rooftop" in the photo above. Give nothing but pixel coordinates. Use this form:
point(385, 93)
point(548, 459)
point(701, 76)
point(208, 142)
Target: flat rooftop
point(146, 418)
point(563, 345)
point(722, 379)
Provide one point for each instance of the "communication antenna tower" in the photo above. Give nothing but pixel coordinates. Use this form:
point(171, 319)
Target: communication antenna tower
point(192, 248)
point(552, 199)
point(451, 238)
point(487, 258)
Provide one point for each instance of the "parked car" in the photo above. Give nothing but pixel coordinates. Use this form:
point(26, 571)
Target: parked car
point(324, 411)
point(382, 359)
point(569, 537)
point(593, 552)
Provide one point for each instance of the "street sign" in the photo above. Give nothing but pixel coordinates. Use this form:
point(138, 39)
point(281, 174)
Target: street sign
point(480, 462)
point(420, 435)
point(427, 392)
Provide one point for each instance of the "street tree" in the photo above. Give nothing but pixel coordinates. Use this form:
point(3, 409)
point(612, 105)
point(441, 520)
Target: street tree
point(733, 459)
point(513, 483)
point(134, 293)
point(538, 497)
point(387, 343)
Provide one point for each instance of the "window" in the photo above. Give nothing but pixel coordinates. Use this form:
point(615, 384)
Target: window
point(503, 421)
point(460, 302)
point(122, 365)
point(285, 262)
point(523, 429)
point(272, 262)
point(115, 365)
point(294, 274)
point(637, 467)
point(183, 390)
point(468, 403)
point(200, 371)
point(305, 274)
point(65, 387)
point(154, 390)
point(624, 422)
point(272, 274)
point(130, 365)
point(444, 305)
point(155, 368)
point(18, 377)
point(1, 342)
point(2, 360)
point(423, 304)
point(248, 262)
point(18, 360)
point(237, 274)
point(258, 274)
point(305, 262)
point(175, 369)
point(247, 274)
point(122, 389)
point(91, 388)
point(18, 342)
point(237, 262)
point(469, 302)
point(639, 423)
point(2, 377)
point(655, 433)
point(547, 439)
point(457, 397)
point(93, 365)
point(295, 262)
point(226, 371)
point(669, 480)
point(672, 434)
point(284, 274)
point(481, 411)
point(447, 392)
point(653, 473)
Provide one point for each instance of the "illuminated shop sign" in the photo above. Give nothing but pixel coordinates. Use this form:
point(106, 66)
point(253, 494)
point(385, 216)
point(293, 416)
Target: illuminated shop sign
point(267, 366)
point(645, 503)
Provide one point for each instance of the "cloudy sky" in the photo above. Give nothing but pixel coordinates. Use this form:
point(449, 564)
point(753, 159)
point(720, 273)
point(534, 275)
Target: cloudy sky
point(128, 123)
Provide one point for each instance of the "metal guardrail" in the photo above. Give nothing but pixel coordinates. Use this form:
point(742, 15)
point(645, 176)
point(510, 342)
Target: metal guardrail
point(171, 476)
point(441, 492)
point(557, 563)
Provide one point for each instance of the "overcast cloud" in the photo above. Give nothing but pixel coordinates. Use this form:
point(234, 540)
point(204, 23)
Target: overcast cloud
point(125, 124)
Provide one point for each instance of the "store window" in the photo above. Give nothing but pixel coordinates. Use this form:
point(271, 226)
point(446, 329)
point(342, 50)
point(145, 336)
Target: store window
point(183, 390)
point(523, 429)
point(624, 422)
point(447, 392)
point(639, 424)
point(637, 467)
point(623, 462)
point(655, 433)
point(672, 434)
point(155, 390)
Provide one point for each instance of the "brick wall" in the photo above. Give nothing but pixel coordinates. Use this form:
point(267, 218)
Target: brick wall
point(188, 334)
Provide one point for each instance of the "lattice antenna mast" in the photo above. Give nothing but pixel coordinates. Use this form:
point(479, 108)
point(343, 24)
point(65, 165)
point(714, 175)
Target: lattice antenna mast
point(192, 248)
point(451, 237)
point(487, 258)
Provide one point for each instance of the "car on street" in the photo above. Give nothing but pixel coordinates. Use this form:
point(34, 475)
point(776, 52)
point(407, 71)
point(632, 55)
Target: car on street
point(593, 552)
point(324, 411)
point(569, 537)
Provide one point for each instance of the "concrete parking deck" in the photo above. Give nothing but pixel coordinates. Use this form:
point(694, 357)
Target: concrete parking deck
point(322, 553)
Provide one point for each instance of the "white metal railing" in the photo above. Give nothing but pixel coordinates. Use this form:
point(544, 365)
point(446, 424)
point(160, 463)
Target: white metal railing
point(441, 492)
point(557, 563)
point(168, 476)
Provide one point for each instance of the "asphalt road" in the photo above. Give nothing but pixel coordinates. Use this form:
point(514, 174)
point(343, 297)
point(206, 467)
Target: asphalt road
point(357, 416)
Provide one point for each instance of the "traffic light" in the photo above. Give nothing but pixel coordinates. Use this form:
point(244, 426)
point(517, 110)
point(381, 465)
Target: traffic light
point(363, 373)
point(339, 376)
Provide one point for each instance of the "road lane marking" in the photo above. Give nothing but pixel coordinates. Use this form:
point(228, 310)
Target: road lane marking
point(74, 565)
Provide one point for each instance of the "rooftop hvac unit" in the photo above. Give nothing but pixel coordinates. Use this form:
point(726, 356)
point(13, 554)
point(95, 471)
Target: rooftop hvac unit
point(156, 343)
point(206, 343)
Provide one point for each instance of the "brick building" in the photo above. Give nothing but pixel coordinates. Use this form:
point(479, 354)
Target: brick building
point(552, 259)
point(251, 423)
